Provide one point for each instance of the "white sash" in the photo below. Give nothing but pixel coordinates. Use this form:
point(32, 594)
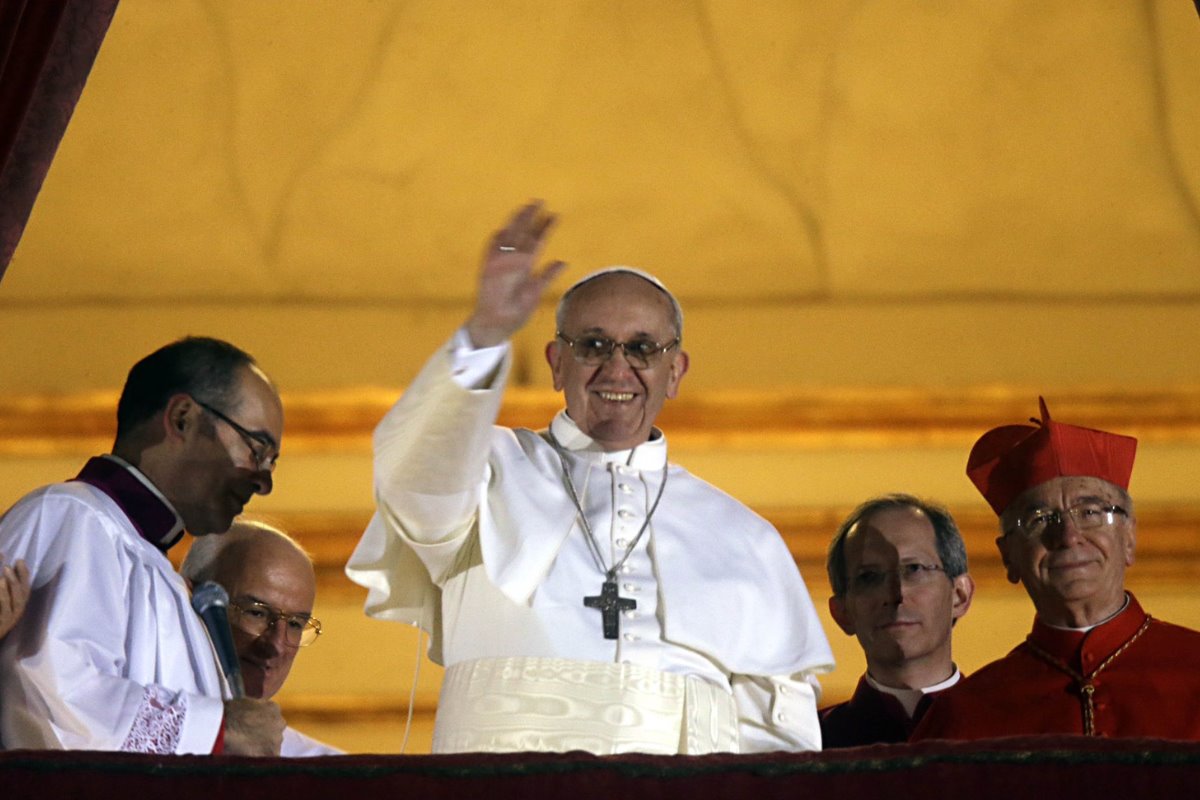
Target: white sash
point(519, 704)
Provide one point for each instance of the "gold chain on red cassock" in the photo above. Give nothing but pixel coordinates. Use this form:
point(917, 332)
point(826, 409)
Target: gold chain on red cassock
point(1084, 683)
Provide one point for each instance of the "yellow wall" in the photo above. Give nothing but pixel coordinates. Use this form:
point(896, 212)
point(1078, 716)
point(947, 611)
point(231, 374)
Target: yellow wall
point(948, 203)
point(901, 193)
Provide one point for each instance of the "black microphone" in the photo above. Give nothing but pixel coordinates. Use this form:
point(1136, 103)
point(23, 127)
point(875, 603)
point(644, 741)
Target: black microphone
point(210, 600)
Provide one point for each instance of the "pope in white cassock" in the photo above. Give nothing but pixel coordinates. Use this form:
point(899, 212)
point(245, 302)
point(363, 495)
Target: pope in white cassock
point(109, 654)
point(583, 592)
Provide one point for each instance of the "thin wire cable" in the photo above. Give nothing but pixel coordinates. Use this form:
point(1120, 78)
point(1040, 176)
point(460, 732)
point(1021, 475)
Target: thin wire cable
point(412, 693)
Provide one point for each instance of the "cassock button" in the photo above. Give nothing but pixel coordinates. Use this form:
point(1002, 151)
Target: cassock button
point(621, 542)
point(629, 587)
point(625, 487)
point(624, 513)
point(783, 689)
point(629, 637)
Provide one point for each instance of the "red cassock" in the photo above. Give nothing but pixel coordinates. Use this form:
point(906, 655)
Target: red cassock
point(1144, 676)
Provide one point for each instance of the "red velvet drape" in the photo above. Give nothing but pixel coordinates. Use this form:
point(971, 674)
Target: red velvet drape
point(47, 48)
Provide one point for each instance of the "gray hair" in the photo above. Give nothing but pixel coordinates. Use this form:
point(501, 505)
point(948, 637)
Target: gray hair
point(560, 313)
point(950, 547)
point(203, 560)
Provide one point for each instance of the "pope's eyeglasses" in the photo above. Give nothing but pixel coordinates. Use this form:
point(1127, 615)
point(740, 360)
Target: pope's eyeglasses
point(596, 350)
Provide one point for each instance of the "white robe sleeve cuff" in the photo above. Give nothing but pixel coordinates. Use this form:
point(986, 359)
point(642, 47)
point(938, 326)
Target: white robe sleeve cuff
point(201, 725)
point(475, 368)
point(777, 712)
point(174, 723)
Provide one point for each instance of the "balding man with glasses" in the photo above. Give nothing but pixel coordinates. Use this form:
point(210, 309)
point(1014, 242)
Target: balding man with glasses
point(1095, 663)
point(583, 592)
point(272, 588)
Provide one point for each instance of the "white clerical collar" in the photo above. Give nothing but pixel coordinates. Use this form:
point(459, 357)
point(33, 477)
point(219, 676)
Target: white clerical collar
point(1087, 628)
point(649, 455)
point(909, 698)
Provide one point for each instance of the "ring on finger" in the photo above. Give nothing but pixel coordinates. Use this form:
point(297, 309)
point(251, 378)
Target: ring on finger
point(506, 248)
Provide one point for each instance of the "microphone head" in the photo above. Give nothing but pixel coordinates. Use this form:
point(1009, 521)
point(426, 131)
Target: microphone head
point(209, 595)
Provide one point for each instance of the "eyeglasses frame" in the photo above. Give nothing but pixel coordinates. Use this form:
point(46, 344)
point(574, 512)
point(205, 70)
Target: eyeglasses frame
point(906, 573)
point(268, 456)
point(651, 359)
point(1112, 511)
point(277, 614)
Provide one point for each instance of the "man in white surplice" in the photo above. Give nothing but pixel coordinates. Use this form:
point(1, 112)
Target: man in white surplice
point(109, 654)
point(583, 593)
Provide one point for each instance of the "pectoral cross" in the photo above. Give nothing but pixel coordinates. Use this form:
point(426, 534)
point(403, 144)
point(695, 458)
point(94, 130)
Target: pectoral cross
point(610, 605)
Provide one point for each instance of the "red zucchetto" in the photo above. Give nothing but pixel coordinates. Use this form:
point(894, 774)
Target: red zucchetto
point(1012, 458)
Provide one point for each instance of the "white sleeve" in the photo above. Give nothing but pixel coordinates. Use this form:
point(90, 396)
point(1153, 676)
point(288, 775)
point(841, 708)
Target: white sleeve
point(65, 671)
point(298, 745)
point(431, 466)
point(166, 722)
point(431, 450)
point(777, 712)
point(475, 368)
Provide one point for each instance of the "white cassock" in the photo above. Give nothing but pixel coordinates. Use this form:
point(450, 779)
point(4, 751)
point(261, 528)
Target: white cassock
point(477, 540)
point(109, 654)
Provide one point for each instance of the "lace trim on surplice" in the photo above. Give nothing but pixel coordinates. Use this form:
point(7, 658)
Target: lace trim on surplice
point(158, 724)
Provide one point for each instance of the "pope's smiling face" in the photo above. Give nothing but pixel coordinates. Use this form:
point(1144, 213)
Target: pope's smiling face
point(613, 402)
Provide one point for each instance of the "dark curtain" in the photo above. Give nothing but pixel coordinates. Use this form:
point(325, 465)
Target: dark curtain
point(47, 48)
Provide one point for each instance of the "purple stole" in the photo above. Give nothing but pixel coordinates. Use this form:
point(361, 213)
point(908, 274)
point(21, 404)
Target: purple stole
point(154, 520)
